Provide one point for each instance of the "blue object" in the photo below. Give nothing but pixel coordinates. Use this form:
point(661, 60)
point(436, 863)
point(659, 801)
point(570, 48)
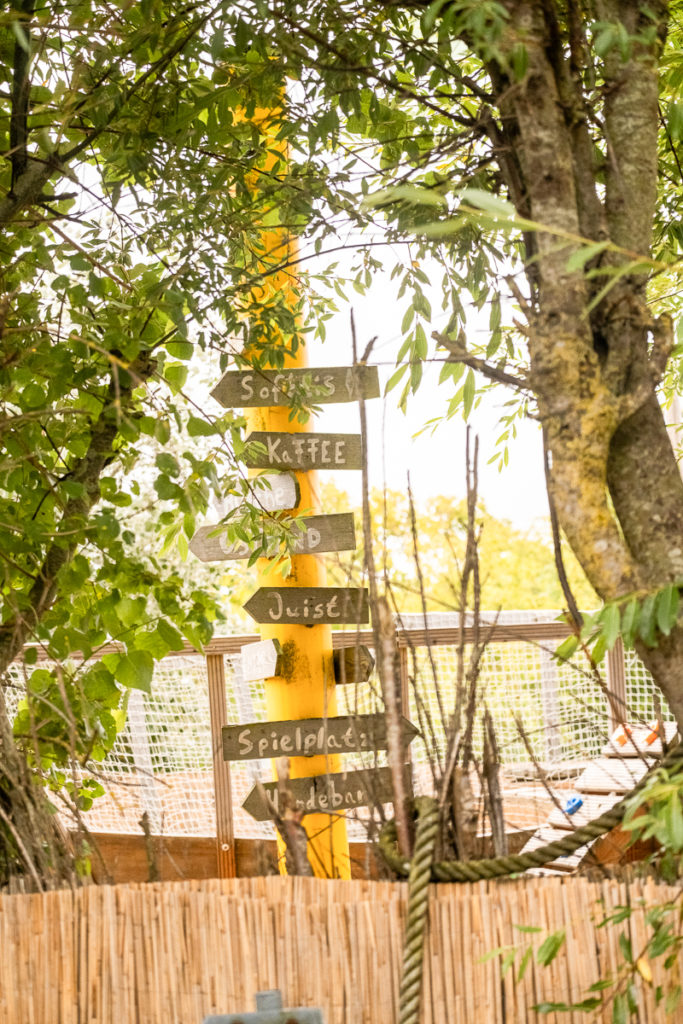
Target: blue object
point(572, 805)
point(269, 1010)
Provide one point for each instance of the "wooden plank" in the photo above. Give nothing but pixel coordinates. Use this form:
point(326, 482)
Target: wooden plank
point(304, 451)
point(326, 794)
point(307, 737)
point(639, 740)
point(262, 660)
point(532, 632)
point(592, 807)
point(616, 682)
point(353, 664)
point(253, 388)
point(309, 606)
point(270, 492)
point(225, 846)
point(610, 775)
point(312, 535)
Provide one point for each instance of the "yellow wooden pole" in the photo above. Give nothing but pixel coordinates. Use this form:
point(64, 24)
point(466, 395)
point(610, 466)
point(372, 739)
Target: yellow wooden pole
point(306, 688)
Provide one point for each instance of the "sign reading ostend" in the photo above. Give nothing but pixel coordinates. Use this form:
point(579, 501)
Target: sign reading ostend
point(326, 794)
point(309, 606)
point(303, 451)
point(245, 389)
point(314, 535)
point(308, 737)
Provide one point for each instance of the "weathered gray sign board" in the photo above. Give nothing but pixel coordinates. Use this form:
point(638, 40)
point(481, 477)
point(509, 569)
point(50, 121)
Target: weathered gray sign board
point(326, 794)
point(353, 664)
point(261, 660)
point(272, 492)
point(245, 389)
point(316, 535)
point(304, 451)
point(309, 606)
point(309, 737)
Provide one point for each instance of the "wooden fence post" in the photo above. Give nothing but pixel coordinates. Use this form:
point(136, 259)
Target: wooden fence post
point(225, 833)
point(616, 683)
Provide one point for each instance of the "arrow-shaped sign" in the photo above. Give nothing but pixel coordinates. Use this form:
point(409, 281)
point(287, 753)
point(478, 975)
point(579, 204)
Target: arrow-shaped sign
point(309, 606)
point(261, 660)
point(307, 737)
point(280, 387)
point(271, 492)
point(303, 451)
point(313, 536)
point(326, 794)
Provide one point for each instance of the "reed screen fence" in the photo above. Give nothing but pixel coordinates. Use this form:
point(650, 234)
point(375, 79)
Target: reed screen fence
point(162, 953)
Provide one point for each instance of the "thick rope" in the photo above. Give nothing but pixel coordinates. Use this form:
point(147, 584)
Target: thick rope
point(418, 904)
point(498, 867)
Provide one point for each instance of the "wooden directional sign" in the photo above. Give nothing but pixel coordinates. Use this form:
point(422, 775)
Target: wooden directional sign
point(261, 660)
point(279, 387)
point(326, 794)
point(283, 450)
point(353, 664)
point(316, 535)
point(308, 737)
point(272, 492)
point(309, 606)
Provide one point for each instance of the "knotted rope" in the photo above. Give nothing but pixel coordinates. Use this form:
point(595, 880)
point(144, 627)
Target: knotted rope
point(418, 903)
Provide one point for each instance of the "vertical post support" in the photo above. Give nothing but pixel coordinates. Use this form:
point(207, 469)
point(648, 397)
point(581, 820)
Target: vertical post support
point(616, 683)
point(142, 756)
point(552, 739)
point(306, 688)
point(225, 833)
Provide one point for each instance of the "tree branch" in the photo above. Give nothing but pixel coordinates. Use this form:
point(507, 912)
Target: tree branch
point(14, 632)
point(21, 90)
point(459, 354)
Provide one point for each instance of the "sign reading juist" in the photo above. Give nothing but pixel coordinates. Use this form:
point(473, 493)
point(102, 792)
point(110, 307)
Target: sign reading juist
point(309, 606)
point(304, 451)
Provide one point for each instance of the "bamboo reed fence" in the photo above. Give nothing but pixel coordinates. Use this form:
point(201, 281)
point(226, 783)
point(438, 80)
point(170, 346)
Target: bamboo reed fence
point(172, 953)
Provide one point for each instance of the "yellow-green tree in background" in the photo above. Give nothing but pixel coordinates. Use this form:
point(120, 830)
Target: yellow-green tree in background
point(517, 568)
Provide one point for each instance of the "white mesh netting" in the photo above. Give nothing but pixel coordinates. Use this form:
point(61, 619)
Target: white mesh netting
point(162, 761)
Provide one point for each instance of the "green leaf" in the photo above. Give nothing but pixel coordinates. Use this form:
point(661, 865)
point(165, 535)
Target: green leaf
point(629, 621)
point(567, 648)
point(176, 375)
point(610, 623)
point(646, 626)
point(550, 947)
point(674, 820)
point(468, 394)
point(667, 602)
point(625, 947)
point(135, 670)
point(33, 397)
point(580, 257)
point(180, 349)
point(487, 202)
point(200, 428)
point(526, 960)
point(620, 1010)
point(428, 19)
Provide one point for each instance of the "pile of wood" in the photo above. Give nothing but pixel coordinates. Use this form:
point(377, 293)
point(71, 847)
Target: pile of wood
point(628, 754)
